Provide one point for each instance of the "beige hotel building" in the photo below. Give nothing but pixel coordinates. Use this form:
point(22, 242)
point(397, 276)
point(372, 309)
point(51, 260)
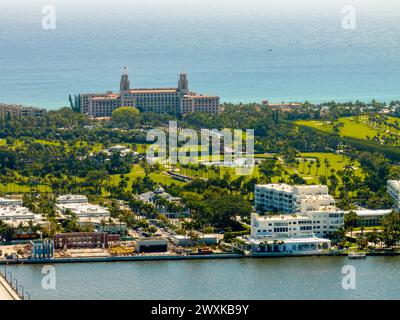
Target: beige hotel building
point(159, 100)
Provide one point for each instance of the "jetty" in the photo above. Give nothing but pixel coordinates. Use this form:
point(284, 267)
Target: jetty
point(10, 289)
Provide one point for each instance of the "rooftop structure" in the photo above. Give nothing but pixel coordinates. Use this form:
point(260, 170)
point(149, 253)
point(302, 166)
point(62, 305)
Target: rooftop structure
point(204, 239)
point(289, 246)
point(84, 240)
point(10, 201)
point(72, 198)
point(152, 245)
point(151, 197)
point(14, 214)
point(84, 210)
point(282, 106)
point(281, 197)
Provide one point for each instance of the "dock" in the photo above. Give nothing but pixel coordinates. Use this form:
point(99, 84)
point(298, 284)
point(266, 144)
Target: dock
point(9, 291)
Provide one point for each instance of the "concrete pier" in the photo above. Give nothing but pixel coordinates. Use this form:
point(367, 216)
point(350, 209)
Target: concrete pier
point(6, 291)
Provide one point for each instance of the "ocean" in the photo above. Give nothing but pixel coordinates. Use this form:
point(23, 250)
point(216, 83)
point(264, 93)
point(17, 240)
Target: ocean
point(243, 51)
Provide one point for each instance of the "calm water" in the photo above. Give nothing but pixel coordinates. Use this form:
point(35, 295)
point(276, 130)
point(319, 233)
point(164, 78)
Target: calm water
point(279, 278)
point(241, 50)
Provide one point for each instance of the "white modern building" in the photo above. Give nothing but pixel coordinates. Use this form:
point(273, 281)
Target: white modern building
point(10, 201)
point(203, 239)
point(277, 197)
point(72, 198)
point(300, 211)
point(283, 198)
point(393, 189)
point(370, 218)
point(289, 246)
point(318, 223)
point(287, 234)
point(87, 213)
point(159, 192)
point(13, 213)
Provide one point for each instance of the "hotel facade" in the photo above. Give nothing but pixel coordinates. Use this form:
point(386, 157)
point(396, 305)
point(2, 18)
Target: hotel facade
point(178, 100)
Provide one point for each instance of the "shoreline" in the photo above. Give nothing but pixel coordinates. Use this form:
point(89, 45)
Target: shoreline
point(188, 257)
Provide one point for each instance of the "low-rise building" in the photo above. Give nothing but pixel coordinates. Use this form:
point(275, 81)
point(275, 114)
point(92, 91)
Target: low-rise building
point(10, 201)
point(109, 225)
point(151, 245)
point(121, 150)
point(84, 210)
point(79, 240)
point(72, 198)
point(13, 110)
point(42, 249)
point(370, 218)
point(289, 246)
point(159, 192)
point(13, 213)
point(79, 206)
point(201, 239)
point(393, 189)
point(89, 214)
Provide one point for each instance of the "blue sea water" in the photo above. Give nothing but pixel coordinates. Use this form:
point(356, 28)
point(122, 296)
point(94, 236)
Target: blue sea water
point(244, 51)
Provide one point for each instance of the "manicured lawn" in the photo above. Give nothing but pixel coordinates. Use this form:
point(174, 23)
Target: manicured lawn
point(351, 128)
point(355, 127)
point(20, 188)
point(336, 161)
point(138, 172)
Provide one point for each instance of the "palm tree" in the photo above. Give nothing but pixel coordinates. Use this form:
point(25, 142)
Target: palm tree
point(318, 165)
point(327, 165)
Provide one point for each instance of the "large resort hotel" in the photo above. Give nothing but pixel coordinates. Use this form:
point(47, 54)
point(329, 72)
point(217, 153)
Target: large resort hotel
point(159, 100)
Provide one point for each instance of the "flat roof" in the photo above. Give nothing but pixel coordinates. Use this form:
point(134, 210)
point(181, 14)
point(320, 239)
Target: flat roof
point(276, 186)
point(368, 213)
point(288, 240)
point(154, 90)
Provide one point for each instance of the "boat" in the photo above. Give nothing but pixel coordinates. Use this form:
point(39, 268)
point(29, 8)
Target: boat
point(357, 255)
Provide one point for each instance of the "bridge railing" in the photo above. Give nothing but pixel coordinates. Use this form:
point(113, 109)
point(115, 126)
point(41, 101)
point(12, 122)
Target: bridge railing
point(17, 288)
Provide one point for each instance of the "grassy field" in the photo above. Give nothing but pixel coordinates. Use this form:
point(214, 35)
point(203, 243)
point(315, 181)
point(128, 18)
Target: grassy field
point(352, 128)
point(138, 172)
point(356, 127)
point(22, 188)
point(336, 162)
